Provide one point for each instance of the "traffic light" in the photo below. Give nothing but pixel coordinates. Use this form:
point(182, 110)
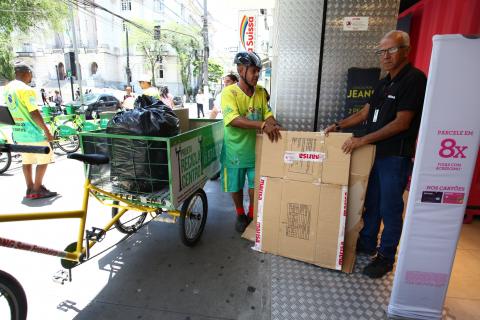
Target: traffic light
point(156, 32)
point(70, 66)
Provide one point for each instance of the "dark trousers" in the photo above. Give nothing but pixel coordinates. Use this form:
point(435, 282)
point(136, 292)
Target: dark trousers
point(200, 109)
point(384, 201)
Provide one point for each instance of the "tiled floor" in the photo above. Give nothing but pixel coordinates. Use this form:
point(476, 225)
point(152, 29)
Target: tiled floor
point(303, 291)
point(463, 295)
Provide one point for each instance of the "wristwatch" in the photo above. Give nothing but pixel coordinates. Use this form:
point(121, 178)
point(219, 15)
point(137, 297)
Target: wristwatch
point(337, 126)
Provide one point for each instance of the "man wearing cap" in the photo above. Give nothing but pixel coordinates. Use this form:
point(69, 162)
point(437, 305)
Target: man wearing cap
point(146, 85)
point(29, 129)
point(245, 110)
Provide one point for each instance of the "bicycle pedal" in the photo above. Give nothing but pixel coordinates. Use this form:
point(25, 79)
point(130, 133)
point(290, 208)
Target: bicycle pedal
point(61, 276)
point(96, 234)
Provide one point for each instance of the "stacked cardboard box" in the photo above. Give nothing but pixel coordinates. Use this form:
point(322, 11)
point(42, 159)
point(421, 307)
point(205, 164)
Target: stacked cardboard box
point(302, 198)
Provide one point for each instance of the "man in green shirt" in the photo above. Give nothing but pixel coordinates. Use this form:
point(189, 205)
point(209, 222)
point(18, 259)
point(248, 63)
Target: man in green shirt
point(29, 129)
point(245, 111)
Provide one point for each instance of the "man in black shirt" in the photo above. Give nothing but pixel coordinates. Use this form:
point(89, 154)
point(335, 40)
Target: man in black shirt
point(393, 118)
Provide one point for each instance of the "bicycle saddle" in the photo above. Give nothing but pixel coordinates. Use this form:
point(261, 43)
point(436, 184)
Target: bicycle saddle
point(89, 158)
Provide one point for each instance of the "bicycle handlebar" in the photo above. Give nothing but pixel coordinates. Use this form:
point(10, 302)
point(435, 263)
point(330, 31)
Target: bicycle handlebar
point(24, 148)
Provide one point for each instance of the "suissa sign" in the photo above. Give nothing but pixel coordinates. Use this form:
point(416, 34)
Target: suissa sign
point(248, 30)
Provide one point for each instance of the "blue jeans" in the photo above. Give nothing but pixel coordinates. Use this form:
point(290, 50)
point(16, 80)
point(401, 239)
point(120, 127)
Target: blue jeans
point(384, 201)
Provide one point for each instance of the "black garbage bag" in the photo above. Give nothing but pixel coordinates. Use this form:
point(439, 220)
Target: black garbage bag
point(139, 165)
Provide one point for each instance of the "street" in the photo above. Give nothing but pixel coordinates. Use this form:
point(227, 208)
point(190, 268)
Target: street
point(149, 275)
point(35, 271)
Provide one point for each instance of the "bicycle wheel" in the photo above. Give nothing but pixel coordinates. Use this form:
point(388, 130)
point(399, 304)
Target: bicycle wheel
point(130, 221)
point(5, 161)
point(193, 218)
point(67, 144)
point(13, 302)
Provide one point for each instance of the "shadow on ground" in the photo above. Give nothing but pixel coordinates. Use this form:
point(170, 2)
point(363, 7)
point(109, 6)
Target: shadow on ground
point(154, 276)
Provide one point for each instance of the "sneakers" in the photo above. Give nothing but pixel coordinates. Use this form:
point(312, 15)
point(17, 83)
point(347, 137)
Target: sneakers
point(378, 267)
point(41, 194)
point(242, 222)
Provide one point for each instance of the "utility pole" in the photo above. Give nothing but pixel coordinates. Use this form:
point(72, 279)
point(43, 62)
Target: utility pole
point(129, 72)
point(58, 80)
point(205, 54)
point(75, 50)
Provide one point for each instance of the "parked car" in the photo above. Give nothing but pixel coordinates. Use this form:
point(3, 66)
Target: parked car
point(96, 103)
point(177, 101)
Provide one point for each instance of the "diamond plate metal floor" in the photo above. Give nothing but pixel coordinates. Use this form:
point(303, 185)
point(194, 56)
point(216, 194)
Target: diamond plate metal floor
point(304, 291)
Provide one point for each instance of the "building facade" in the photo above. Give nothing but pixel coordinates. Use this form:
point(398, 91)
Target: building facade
point(101, 42)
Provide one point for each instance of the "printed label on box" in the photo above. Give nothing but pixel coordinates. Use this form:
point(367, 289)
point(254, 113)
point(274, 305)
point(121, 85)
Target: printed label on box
point(298, 220)
point(304, 146)
point(306, 156)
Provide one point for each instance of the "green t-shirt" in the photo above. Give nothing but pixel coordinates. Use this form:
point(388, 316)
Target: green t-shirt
point(239, 144)
point(21, 100)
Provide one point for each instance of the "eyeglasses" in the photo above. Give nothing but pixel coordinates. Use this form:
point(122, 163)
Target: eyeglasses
point(391, 50)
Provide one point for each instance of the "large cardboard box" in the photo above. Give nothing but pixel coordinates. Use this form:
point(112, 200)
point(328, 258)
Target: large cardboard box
point(302, 198)
point(182, 114)
point(310, 196)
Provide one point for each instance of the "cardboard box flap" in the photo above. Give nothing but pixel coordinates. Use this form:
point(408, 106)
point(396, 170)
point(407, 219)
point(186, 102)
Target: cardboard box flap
point(331, 226)
point(362, 160)
point(271, 160)
point(304, 155)
point(336, 165)
point(297, 156)
point(361, 164)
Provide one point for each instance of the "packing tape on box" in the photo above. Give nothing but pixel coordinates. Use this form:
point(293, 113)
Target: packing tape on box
point(341, 230)
point(258, 228)
point(307, 156)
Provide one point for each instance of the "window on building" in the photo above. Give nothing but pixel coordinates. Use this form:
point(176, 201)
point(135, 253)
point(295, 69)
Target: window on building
point(126, 5)
point(182, 10)
point(125, 26)
point(160, 72)
point(158, 5)
point(93, 68)
point(27, 47)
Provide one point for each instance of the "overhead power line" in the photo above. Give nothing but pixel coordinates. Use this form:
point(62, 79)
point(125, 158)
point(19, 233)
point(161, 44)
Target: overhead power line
point(139, 26)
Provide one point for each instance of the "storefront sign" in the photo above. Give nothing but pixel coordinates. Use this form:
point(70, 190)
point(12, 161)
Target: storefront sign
point(361, 84)
point(446, 154)
point(248, 30)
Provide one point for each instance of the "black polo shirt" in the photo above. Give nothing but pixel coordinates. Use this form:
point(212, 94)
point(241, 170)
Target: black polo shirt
point(405, 92)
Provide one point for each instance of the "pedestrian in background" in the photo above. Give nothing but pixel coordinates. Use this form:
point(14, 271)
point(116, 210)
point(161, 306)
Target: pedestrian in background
point(145, 83)
point(57, 99)
point(228, 80)
point(128, 98)
point(44, 97)
point(199, 99)
point(29, 129)
point(167, 97)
